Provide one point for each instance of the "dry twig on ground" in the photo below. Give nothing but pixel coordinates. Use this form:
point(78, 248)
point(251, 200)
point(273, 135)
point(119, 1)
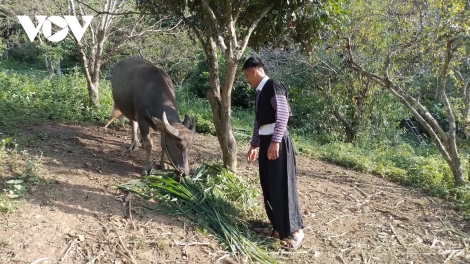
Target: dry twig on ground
point(74, 241)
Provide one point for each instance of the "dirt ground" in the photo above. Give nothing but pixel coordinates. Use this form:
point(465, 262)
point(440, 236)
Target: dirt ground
point(77, 216)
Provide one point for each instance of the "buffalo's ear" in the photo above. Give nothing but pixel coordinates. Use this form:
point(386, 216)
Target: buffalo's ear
point(193, 126)
point(158, 123)
point(189, 123)
point(164, 126)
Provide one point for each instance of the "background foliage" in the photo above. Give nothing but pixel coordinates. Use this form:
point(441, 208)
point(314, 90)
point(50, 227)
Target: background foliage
point(324, 95)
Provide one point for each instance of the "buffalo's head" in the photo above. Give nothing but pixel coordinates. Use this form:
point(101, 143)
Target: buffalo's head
point(176, 141)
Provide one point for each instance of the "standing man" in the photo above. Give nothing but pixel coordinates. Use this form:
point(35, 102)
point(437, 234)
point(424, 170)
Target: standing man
point(277, 166)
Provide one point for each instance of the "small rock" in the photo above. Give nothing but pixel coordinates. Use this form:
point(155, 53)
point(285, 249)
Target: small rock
point(81, 238)
point(88, 164)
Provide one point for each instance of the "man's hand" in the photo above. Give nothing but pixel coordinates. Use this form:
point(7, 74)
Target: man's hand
point(251, 155)
point(273, 151)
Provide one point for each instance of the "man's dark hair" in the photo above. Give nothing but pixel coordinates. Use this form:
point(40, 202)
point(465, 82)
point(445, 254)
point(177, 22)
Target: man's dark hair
point(253, 62)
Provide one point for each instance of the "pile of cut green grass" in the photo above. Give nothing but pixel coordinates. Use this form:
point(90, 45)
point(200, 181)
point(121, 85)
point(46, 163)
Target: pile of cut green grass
point(214, 199)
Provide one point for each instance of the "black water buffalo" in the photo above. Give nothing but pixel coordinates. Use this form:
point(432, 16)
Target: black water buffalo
point(144, 94)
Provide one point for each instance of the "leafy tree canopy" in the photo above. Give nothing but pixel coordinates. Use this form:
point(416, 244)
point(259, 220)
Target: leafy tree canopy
point(286, 22)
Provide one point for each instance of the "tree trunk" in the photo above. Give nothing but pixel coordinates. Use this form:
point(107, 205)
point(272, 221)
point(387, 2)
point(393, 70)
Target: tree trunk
point(220, 106)
point(349, 130)
point(456, 167)
point(453, 150)
point(93, 93)
point(223, 128)
point(49, 68)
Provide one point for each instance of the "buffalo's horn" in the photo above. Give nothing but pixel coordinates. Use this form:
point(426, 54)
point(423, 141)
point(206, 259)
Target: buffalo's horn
point(169, 128)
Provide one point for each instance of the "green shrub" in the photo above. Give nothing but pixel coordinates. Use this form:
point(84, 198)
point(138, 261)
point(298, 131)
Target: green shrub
point(32, 98)
point(18, 179)
point(243, 96)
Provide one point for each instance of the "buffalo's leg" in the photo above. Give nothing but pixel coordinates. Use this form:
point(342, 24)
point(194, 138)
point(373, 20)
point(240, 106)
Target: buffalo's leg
point(147, 144)
point(135, 137)
point(165, 160)
point(115, 113)
point(121, 119)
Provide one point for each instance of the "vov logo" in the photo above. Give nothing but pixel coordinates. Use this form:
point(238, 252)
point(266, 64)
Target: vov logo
point(64, 23)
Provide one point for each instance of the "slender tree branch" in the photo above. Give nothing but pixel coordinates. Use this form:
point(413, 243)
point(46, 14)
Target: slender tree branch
point(71, 7)
point(197, 31)
point(252, 27)
point(466, 97)
point(215, 22)
point(425, 113)
point(441, 87)
point(236, 14)
point(104, 12)
point(231, 28)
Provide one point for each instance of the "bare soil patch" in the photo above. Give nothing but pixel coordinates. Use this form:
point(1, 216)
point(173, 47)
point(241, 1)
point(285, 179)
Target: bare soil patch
point(77, 216)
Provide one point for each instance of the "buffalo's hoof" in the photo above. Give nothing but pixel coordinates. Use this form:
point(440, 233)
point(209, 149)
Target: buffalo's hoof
point(134, 147)
point(147, 172)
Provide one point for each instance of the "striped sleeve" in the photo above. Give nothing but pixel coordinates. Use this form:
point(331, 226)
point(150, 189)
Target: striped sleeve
point(280, 106)
point(255, 139)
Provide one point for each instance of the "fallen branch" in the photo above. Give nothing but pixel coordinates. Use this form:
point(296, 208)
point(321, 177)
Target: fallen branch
point(293, 252)
point(336, 218)
point(434, 242)
point(341, 259)
point(223, 257)
point(320, 192)
point(399, 202)
point(379, 192)
point(130, 211)
point(359, 190)
point(132, 259)
point(193, 243)
point(124, 254)
point(453, 253)
point(68, 249)
point(366, 261)
point(453, 229)
point(97, 256)
point(396, 235)
point(148, 222)
point(338, 235)
point(392, 214)
point(39, 260)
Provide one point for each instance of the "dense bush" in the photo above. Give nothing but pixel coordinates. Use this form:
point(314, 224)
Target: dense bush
point(26, 52)
point(27, 98)
point(243, 96)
